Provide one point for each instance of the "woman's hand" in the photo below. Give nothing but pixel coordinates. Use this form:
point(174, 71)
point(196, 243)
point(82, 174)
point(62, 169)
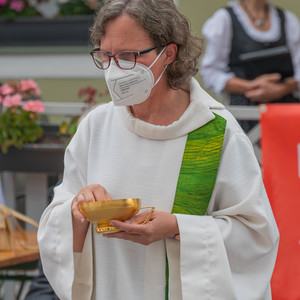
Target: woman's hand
point(263, 89)
point(89, 193)
point(161, 225)
point(268, 87)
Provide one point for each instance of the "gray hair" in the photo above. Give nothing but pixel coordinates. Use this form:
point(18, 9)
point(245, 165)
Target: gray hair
point(164, 24)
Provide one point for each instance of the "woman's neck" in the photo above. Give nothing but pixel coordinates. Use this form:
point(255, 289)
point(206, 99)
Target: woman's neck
point(256, 5)
point(257, 12)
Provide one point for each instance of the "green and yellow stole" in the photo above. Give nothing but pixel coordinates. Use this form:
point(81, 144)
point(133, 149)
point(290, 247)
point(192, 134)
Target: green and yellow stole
point(198, 171)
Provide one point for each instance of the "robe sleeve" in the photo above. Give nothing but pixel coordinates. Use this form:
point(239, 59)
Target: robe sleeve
point(230, 252)
point(55, 234)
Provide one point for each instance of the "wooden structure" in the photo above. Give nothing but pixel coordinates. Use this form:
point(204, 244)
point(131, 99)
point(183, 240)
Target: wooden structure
point(15, 265)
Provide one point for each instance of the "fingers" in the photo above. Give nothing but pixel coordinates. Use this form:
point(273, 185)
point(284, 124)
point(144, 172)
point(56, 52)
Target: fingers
point(254, 95)
point(262, 82)
point(134, 230)
point(141, 234)
point(161, 225)
point(100, 193)
point(94, 192)
point(138, 219)
point(273, 77)
point(267, 93)
point(128, 227)
point(89, 193)
point(75, 207)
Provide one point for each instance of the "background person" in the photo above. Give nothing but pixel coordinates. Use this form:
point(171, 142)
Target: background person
point(166, 141)
point(234, 62)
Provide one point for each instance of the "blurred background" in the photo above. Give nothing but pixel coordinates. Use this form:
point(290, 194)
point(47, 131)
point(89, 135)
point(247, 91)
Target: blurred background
point(57, 56)
point(48, 41)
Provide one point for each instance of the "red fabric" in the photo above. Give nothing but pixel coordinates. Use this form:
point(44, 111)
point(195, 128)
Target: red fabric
point(280, 143)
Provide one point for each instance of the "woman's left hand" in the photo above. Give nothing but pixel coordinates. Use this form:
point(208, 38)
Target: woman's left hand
point(161, 225)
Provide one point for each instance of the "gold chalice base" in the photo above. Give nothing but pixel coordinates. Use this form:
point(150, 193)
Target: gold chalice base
point(101, 212)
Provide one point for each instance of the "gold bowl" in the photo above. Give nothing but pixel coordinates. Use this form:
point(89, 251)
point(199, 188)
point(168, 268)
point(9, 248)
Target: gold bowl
point(101, 212)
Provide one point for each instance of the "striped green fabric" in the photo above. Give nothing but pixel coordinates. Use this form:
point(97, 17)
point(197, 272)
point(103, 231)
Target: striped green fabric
point(198, 171)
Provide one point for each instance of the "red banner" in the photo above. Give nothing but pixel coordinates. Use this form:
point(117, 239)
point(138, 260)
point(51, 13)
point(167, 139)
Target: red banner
point(280, 144)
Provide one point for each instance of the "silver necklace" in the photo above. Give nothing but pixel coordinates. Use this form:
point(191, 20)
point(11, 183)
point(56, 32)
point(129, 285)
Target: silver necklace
point(257, 22)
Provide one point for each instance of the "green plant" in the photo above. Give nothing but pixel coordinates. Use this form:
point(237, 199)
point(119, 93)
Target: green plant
point(69, 127)
point(20, 111)
point(10, 9)
point(76, 7)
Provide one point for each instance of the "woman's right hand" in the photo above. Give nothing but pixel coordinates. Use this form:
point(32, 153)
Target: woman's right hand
point(89, 193)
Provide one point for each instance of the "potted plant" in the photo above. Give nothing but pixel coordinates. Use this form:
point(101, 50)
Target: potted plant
point(46, 22)
point(21, 133)
point(26, 144)
point(88, 94)
point(19, 112)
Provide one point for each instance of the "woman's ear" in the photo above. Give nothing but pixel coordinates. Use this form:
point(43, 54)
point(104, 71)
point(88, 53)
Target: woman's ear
point(170, 52)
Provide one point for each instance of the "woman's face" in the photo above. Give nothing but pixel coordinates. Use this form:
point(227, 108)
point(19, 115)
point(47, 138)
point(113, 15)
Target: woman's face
point(126, 34)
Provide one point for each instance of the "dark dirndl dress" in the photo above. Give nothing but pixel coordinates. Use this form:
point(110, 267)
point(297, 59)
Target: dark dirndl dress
point(250, 59)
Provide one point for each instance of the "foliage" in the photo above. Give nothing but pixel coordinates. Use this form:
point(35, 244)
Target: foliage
point(10, 9)
point(75, 7)
point(89, 94)
point(69, 127)
point(20, 111)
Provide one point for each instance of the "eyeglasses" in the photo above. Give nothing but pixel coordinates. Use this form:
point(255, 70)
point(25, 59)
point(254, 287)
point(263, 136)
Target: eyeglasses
point(125, 60)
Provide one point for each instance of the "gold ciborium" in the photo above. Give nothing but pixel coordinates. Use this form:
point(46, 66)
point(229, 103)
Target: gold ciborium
point(101, 212)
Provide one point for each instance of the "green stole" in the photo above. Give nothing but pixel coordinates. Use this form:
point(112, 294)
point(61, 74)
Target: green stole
point(198, 171)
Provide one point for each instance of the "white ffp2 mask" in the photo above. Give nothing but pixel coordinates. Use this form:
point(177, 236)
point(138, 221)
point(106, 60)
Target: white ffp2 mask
point(130, 87)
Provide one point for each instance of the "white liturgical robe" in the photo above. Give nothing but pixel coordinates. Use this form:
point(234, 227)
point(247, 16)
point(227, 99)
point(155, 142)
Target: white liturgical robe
point(229, 253)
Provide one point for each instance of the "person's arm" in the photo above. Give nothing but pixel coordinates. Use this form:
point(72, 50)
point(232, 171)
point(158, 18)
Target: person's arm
point(237, 85)
point(56, 234)
point(263, 89)
point(218, 34)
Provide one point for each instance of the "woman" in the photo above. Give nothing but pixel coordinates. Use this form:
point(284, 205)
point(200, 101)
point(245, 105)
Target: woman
point(253, 54)
point(164, 140)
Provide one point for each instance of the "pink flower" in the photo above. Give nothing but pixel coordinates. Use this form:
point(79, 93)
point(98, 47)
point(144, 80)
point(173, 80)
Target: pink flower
point(17, 5)
point(10, 101)
point(3, 2)
point(29, 85)
point(6, 89)
point(34, 105)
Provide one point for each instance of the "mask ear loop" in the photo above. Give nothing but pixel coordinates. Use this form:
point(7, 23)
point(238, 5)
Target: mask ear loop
point(158, 79)
point(162, 73)
point(158, 56)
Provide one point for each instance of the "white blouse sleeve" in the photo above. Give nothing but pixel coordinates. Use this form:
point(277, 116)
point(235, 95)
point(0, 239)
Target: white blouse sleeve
point(218, 34)
point(293, 40)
